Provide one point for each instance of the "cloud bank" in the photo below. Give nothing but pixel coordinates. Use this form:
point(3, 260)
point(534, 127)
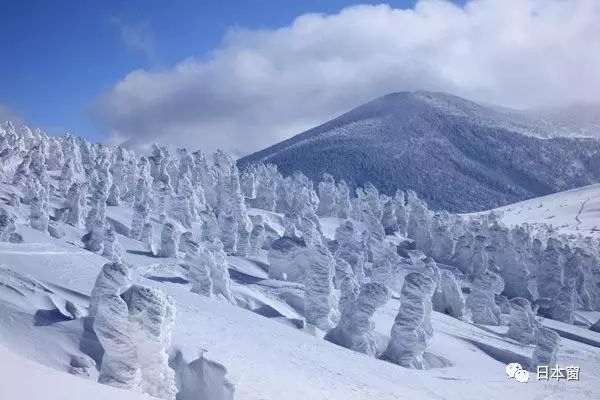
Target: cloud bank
point(263, 86)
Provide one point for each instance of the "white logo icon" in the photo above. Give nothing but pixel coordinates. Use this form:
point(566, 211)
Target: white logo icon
point(516, 371)
point(512, 368)
point(522, 376)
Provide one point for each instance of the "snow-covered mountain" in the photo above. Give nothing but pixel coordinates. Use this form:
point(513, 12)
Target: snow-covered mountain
point(456, 154)
point(178, 277)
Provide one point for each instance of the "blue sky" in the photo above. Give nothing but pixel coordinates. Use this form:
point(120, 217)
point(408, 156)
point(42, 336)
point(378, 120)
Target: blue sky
point(58, 56)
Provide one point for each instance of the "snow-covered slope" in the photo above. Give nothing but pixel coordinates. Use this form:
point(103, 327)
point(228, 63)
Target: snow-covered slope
point(456, 154)
point(179, 277)
point(575, 211)
point(264, 358)
point(22, 378)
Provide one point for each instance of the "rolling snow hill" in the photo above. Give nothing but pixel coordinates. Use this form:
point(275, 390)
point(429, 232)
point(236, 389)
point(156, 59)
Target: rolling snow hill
point(263, 355)
point(456, 154)
point(575, 211)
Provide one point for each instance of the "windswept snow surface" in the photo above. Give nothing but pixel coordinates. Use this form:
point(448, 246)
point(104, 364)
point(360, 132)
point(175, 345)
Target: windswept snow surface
point(265, 354)
point(574, 211)
point(25, 379)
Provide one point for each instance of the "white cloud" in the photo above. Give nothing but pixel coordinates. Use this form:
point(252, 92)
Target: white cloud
point(263, 86)
point(137, 36)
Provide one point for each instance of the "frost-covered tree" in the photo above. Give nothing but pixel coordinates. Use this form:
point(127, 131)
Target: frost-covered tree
point(7, 225)
point(419, 223)
point(75, 204)
point(168, 241)
point(266, 188)
point(112, 327)
point(327, 197)
point(522, 321)
point(442, 247)
point(388, 219)
point(463, 253)
point(480, 260)
point(550, 274)
point(185, 239)
point(343, 199)
point(408, 337)
point(228, 226)
point(198, 261)
point(114, 196)
point(140, 216)
point(355, 328)
point(481, 301)
point(320, 302)
point(114, 279)
point(384, 256)
point(38, 218)
point(67, 176)
point(248, 184)
point(448, 298)
point(181, 212)
point(151, 318)
point(547, 342)
point(345, 280)
point(564, 303)
point(350, 249)
point(219, 271)
point(210, 225)
point(401, 212)
point(94, 239)
point(257, 236)
point(147, 236)
point(112, 249)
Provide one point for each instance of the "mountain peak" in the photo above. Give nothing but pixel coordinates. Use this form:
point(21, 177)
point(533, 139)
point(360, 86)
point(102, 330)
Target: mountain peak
point(427, 141)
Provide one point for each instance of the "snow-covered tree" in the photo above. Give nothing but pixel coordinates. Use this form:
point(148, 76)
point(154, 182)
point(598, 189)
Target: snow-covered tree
point(112, 249)
point(114, 279)
point(152, 316)
point(481, 301)
point(564, 303)
point(448, 298)
point(355, 328)
point(327, 197)
point(147, 236)
point(198, 261)
point(522, 321)
point(112, 327)
point(168, 241)
point(140, 216)
point(219, 271)
point(350, 249)
point(75, 204)
point(408, 337)
point(257, 236)
point(114, 196)
point(320, 302)
point(546, 346)
point(38, 218)
point(550, 274)
point(388, 219)
point(228, 226)
point(7, 225)
point(401, 212)
point(94, 239)
point(343, 199)
point(442, 247)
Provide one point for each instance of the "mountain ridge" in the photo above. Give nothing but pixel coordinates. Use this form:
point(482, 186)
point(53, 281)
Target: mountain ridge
point(457, 154)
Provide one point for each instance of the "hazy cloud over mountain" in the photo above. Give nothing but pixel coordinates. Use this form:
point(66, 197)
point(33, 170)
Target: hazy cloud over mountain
point(262, 86)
